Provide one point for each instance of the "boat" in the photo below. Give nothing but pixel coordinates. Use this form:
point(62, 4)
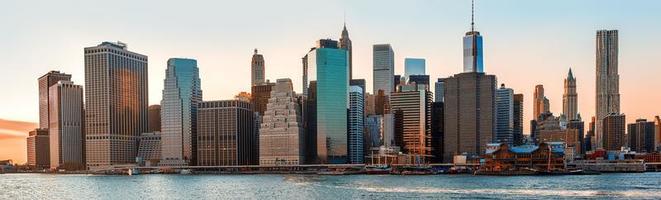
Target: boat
point(185, 172)
point(377, 169)
point(415, 170)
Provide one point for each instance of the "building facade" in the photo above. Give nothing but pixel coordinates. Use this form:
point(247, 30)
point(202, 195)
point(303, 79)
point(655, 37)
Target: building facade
point(607, 80)
point(115, 103)
point(383, 59)
point(570, 98)
point(517, 131)
point(469, 114)
point(226, 134)
point(181, 94)
point(356, 125)
point(541, 103)
point(149, 149)
point(281, 134)
point(613, 127)
point(257, 69)
point(38, 148)
point(439, 90)
point(414, 102)
point(45, 82)
point(505, 115)
point(154, 116)
point(641, 136)
point(67, 140)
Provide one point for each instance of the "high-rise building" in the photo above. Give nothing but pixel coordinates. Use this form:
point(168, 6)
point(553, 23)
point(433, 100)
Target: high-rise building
point(383, 59)
point(570, 98)
point(154, 117)
point(414, 102)
point(473, 54)
point(345, 43)
point(657, 134)
point(281, 135)
point(469, 114)
point(257, 69)
point(67, 140)
point(327, 65)
point(115, 103)
point(374, 130)
point(45, 82)
point(607, 80)
point(226, 134)
point(517, 131)
point(310, 123)
point(181, 94)
point(579, 126)
point(613, 126)
point(414, 66)
point(505, 115)
point(420, 80)
point(260, 96)
point(439, 90)
point(641, 136)
point(589, 136)
point(541, 103)
point(356, 125)
point(149, 148)
point(437, 131)
point(38, 148)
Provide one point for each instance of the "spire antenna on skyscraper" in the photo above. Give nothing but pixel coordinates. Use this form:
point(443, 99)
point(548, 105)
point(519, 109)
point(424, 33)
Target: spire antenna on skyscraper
point(472, 15)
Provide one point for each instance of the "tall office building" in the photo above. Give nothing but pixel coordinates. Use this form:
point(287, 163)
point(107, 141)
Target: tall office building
point(154, 117)
point(38, 148)
point(310, 123)
point(383, 59)
point(579, 126)
point(541, 103)
point(613, 126)
point(327, 65)
point(258, 73)
point(181, 94)
point(641, 136)
point(570, 98)
point(45, 82)
point(439, 90)
point(67, 140)
point(517, 132)
point(260, 95)
point(469, 114)
point(414, 102)
point(345, 43)
point(226, 134)
point(115, 103)
point(414, 66)
point(473, 54)
point(420, 80)
point(607, 79)
point(657, 134)
point(589, 136)
point(356, 125)
point(437, 131)
point(281, 134)
point(505, 115)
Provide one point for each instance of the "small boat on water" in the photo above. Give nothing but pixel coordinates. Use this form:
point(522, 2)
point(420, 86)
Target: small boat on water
point(185, 172)
point(377, 169)
point(132, 172)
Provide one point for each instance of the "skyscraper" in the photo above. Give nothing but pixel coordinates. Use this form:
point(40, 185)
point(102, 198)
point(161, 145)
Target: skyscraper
point(641, 136)
point(115, 103)
point(327, 65)
point(473, 55)
point(570, 98)
point(38, 148)
point(154, 119)
point(45, 82)
point(383, 59)
point(414, 102)
point(437, 131)
point(613, 126)
point(541, 103)
point(226, 133)
point(257, 69)
point(517, 132)
point(505, 115)
point(67, 140)
point(281, 134)
point(469, 113)
point(414, 66)
point(607, 80)
point(439, 90)
point(356, 125)
point(657, 134)
point(260, 95)
point(345, 43)
point(181, 94)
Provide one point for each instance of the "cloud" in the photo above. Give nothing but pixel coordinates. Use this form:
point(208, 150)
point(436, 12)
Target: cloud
point(15, 129)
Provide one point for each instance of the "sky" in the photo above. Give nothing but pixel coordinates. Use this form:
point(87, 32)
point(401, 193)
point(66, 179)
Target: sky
point(525, 42)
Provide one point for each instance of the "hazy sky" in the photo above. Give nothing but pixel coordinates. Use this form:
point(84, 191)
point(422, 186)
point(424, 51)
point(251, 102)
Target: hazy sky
point(526, 42)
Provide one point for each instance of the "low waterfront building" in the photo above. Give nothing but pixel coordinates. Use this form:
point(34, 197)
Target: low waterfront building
point(501, 158)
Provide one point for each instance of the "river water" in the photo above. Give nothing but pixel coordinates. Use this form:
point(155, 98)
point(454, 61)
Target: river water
point(290, 187)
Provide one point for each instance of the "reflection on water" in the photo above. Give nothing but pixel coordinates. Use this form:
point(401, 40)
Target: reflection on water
point(606, 186)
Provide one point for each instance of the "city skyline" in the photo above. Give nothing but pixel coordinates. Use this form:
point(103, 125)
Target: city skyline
point(219, 89)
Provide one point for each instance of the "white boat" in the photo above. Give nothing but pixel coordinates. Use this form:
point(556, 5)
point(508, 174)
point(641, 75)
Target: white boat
point(186, 171)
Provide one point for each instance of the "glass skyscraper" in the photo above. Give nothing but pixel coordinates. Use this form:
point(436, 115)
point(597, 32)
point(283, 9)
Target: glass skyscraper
point(383, 59)
point(473, 56)
point(356, 125)
point(181, 94)
point(328, 65)
point(414, 66)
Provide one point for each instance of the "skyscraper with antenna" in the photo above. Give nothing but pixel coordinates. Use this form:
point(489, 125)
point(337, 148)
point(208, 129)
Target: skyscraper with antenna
point(473, 56)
